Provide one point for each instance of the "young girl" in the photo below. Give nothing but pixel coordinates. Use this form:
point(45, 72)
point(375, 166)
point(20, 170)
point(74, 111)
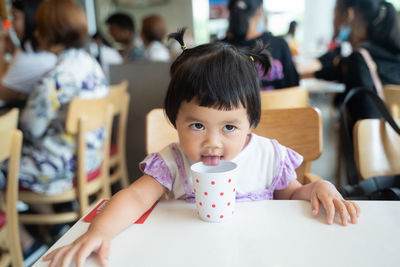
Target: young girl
point(213, 100)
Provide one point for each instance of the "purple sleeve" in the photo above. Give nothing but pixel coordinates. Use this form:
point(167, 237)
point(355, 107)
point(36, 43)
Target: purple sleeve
point(155, 166)
point(289, 161)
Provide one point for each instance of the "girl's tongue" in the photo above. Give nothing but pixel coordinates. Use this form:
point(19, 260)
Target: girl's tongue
point(211, 160)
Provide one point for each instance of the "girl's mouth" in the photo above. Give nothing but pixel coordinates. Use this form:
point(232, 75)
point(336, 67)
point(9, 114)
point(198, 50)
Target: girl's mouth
point(211, 160)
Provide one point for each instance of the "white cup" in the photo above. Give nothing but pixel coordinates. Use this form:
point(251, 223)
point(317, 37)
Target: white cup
point(215, 190)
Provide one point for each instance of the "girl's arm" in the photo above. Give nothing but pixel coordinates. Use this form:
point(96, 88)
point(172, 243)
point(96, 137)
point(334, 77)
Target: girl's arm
point(121, 211)
point(321, 192)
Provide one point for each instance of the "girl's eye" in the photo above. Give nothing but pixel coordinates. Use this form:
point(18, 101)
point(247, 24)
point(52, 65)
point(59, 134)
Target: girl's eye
point(229, 128)
point(197, 126)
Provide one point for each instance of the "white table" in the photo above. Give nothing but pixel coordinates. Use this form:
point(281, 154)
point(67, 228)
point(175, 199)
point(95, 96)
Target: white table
point(264, 233)
point(319, 86)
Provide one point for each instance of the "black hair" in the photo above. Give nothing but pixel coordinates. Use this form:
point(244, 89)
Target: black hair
point(29, 9)
point(218, 75)
point(382, 22)
point(124, 21)
point(240, 11)
point(292, 27)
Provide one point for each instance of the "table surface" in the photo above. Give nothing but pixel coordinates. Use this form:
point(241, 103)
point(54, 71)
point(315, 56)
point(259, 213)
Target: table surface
point(263, 233)
point(318, 86)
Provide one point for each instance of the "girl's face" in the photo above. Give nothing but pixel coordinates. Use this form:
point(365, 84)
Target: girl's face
point(18, 23)
point(210, 135)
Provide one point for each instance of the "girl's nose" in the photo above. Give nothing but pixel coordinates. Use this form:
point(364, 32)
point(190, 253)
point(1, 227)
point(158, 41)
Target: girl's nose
point(212, 141)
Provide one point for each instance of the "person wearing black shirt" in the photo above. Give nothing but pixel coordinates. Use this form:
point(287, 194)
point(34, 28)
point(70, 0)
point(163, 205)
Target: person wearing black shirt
point(246, 28)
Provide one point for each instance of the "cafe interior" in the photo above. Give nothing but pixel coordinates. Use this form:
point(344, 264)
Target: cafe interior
point(96, 121)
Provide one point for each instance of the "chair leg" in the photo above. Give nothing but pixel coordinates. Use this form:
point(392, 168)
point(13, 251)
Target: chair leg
point(124, 172)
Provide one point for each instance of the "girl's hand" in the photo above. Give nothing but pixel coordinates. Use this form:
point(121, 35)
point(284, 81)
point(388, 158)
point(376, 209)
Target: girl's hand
point(326, 193)
point(80, 249)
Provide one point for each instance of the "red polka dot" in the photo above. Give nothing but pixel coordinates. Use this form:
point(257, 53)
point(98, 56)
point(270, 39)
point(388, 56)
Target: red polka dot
point(197, 180)
point(222, 216)
point(233, 212)
point(222, 193)
point(205, 193)
point(212, 182)
point(208, 216)
point(213, 205)
point(195, 190)
point(201, 204)
point(229, 203)
point(229, 180)
point(234, 189)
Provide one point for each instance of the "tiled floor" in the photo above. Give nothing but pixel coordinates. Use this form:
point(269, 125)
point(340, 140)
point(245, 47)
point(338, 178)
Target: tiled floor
point(326, 165)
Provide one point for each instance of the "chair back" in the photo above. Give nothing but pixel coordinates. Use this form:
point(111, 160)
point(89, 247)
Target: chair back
point(376, 148)
point(10, 149)
point(159, 131)
point(392, 99)
point(83, 115)
point(120, 98)
point(293, 97)
point(297, 128)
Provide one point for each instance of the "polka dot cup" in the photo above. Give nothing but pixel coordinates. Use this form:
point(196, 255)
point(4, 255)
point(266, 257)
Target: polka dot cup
point(215, 191)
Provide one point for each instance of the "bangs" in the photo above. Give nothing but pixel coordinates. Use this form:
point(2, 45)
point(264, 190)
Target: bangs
point(220, 81)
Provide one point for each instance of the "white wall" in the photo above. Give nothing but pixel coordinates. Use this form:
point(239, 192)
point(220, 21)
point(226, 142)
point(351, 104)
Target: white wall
point(317, 24)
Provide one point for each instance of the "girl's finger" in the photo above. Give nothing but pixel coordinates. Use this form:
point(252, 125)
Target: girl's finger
point(330, 209)
point(84, 252)
point(104, 253)
point(314, 205)
point(51, 254)
point(342, 210)
point(69, 255)
point(358, 210)
point(351, 209)
point(58, 256)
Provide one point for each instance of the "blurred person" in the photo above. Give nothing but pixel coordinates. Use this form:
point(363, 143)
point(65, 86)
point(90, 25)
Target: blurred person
point(104, 53)
point(154, 29)
point(246, 27)
point(29, 62)
point(122, 29)
point(290, 38)
point(372, 25)
point(48, 161)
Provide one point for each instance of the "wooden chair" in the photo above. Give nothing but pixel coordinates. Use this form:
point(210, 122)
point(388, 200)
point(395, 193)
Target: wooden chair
point(376, 148)
point(10, 148)
point(120, 98)
point(83, 115)
point(297, 128)
point(392, 99)
point(293, 97)
point(159, 131)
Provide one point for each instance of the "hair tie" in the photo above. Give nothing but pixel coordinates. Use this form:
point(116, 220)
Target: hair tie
point(252, 59)
point(183, 47)
point(381, 15)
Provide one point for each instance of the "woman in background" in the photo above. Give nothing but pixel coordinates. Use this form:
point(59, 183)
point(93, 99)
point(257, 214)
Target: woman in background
point(48, 160)
point(246, 27)
point(29, 63)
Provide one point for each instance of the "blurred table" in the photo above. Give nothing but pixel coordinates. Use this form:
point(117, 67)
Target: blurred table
point(314, 85)
point(263, 233)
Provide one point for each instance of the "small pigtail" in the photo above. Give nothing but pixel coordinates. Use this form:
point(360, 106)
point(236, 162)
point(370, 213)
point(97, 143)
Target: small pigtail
point(261, 55)
point(178, 36)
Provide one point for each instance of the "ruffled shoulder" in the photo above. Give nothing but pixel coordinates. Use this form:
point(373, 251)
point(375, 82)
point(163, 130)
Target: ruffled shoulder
point(288, 161)
point(155, 166)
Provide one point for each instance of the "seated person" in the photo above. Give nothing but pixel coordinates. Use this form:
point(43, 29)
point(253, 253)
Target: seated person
point(29, 63)
point(246, 27)
point(122, 29)
point(154, 30)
